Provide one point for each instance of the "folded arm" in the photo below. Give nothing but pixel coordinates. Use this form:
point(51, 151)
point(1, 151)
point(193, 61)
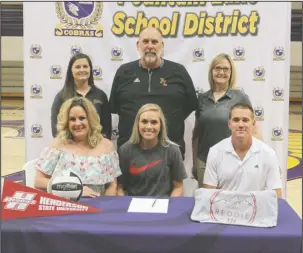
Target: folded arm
point(120, 191)
point(207, 186)
point(111, 190)
point(41, 180)
point(177, 189)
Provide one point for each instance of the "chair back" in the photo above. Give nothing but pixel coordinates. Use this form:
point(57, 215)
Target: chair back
point(30, 173)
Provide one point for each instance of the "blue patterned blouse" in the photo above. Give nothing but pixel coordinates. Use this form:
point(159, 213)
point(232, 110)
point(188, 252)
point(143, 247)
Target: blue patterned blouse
point(92, 170)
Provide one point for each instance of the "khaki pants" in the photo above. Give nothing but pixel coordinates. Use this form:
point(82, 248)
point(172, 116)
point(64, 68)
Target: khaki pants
point(200, 171)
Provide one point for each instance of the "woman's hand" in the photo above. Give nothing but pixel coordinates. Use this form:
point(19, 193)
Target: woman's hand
point(88, 192)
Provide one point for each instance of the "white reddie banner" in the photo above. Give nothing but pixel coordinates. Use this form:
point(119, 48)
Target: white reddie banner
point(194, 32)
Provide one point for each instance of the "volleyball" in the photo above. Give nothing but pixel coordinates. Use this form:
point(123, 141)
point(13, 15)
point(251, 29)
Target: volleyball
point(67, 186)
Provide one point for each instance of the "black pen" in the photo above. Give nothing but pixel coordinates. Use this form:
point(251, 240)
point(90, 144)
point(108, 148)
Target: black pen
point(154, 202)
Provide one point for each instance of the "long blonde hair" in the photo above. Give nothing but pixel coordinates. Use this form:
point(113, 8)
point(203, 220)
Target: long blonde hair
point(214, 62)
point(163, 138)
point(94, 133)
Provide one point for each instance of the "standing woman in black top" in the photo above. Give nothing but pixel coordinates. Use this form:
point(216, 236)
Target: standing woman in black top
point(79, 82)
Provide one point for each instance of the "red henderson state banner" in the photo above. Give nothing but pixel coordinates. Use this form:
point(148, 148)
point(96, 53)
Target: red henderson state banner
point(19, 201)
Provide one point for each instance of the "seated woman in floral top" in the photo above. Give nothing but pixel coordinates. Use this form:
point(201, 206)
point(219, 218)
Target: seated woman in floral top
point(80, 148)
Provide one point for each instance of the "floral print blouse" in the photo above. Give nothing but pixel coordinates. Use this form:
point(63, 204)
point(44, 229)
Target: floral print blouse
point(92, 170)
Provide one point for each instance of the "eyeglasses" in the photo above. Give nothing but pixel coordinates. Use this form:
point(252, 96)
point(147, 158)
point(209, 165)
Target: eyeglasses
point(225, 70)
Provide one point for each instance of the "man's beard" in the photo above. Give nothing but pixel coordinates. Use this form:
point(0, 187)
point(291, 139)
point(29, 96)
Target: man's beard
point(150, 58)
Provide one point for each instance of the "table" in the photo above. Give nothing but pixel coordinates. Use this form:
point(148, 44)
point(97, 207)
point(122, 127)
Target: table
point(18, 177)
point(115, 230)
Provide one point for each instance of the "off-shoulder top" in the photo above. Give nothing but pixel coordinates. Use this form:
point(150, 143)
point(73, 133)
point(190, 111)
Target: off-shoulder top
point(92, 170)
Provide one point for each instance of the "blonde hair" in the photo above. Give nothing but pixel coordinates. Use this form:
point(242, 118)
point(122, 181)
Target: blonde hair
point(136, 137)
point(214, 62)
point(94, 132)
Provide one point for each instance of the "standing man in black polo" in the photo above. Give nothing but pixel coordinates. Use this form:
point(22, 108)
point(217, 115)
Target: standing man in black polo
point(152, 79)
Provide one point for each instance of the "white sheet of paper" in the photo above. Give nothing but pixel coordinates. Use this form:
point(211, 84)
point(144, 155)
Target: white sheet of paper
point(141, 205)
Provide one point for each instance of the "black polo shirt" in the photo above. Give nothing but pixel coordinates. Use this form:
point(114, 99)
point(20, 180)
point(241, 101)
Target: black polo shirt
point(169, 86)
point(213, 118)
point(100, 101)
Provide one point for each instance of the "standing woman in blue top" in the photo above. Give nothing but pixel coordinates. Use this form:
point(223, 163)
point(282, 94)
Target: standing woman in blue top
point(79, 82)
point(213, 109)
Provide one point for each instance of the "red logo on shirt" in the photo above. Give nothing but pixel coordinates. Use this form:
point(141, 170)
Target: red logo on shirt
point(135, 171)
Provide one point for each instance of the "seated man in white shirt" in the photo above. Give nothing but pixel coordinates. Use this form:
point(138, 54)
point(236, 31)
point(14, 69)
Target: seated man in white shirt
point(242, 162)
